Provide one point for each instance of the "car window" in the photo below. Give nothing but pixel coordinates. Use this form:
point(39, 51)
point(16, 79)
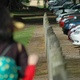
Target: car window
point(76, 7)
point(70, 6)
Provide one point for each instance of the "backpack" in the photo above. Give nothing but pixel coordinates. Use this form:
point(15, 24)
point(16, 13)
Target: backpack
point(8, 67)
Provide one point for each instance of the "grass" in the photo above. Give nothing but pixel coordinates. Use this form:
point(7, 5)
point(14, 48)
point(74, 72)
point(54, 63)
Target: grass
point(24, 36)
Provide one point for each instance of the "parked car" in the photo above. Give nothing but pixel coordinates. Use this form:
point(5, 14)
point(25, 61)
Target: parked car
point(69, 24)
point(66, 5)
point(68, 17)
point(59, 17)
point(74, 35)
point(62, 21)
point(54, 3)
point(69, 9)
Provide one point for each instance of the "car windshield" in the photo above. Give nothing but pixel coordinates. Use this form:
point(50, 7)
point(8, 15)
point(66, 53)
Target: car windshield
point(76, 6)
point(70, 6)
point(67, 6)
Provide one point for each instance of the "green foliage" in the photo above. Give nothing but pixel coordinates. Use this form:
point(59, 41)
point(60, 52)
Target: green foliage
point(24, 36)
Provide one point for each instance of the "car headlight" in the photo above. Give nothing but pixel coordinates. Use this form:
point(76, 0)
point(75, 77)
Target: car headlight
point(75, 17)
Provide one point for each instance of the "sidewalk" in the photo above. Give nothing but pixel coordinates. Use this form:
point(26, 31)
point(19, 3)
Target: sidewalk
point(37, 46)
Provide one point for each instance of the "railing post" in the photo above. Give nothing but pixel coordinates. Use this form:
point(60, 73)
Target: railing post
point(56, 69)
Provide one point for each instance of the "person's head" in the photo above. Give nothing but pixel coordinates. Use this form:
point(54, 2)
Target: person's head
point(6, 25)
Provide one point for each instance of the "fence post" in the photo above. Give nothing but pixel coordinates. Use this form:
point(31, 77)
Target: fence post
point(56, 69)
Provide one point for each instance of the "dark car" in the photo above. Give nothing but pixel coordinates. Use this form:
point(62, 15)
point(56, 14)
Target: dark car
point(68, 17)
point(69, 24)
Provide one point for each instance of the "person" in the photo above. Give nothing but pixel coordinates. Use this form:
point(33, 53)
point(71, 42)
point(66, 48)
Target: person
point(17, 50)
point(30, 70)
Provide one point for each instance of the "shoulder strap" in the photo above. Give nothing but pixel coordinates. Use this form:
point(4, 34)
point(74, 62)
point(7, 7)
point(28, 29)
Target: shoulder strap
point(8, 47)
point(6, 50)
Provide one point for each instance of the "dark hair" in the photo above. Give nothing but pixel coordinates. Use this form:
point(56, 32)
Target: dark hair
point(6, 25)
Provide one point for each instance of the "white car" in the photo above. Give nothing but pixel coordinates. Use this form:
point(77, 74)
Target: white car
point(52, 3)
point(66, 5)
point(66, 11)
point(71, 9)
point(59, 17)
point(56, 4)
point(74, 35)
